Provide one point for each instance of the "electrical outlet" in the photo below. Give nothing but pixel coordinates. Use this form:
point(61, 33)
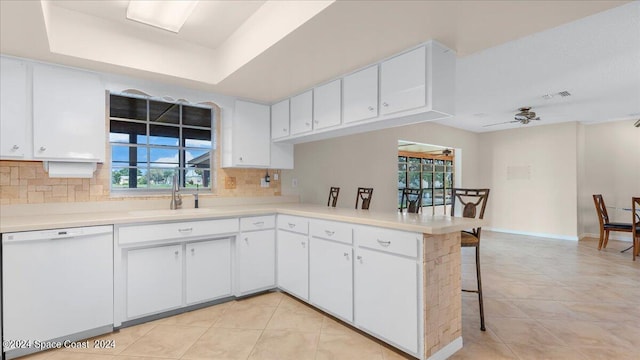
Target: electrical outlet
point(230, 182)
point(276, 176)
point(264, 183)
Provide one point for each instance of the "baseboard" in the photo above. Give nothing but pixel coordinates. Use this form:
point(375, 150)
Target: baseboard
point(448, 350)
point(527, 233)
point(612, 236)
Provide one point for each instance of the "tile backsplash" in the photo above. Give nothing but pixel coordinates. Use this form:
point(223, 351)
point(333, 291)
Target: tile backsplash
point(26, 182)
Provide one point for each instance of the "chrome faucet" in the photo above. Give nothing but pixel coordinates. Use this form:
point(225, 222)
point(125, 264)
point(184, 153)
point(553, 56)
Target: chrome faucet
point(176, 199)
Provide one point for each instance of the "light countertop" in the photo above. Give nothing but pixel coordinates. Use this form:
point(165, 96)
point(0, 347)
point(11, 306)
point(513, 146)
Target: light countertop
point(428, 224)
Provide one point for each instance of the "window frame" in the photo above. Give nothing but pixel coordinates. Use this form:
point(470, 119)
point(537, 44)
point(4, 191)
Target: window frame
point(432, 159)
point(182, 165)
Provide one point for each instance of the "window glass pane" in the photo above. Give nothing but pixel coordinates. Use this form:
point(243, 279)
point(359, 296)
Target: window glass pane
point(438, 197)
point(439, 162)
point(427, 168)
point(427, 179)
point(162, 112)
point(414, 180)
point(399, 198)
point(427, 161)
point(197, 158)
point(448, 196)
point(128, 108)
point(448, 180)
point(438, 180)
point(160, 178)
point(427, 198)
point(164, 135)
point(128, 155)
point(197, 177)
point(414, 160)
point(128, 178)
point(127, 132)
point(164, 157)
point(197, 138)
point(402, 167)
point(196, 116)
point(402, 159)
point(402, 179)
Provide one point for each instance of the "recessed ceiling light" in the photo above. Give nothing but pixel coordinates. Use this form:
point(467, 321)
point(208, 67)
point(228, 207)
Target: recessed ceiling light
point(165, 14)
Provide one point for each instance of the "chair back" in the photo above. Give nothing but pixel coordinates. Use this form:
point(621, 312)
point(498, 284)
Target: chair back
point(365, 195)
point(470, 200)
point(601, 209)
point(411, 200)
point(333, 196)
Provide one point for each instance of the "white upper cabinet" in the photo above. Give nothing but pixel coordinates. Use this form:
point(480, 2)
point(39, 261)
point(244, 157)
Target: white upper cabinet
point(250, 138)
point(302, 113)
point(402, 82)
point(280, 119)
point(327, 105)
point(360, 95)
point(68, 115)
point(14, 118)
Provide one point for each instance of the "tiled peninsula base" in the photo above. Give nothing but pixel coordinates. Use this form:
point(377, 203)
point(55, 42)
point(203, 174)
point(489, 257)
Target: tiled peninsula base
point(442, 295)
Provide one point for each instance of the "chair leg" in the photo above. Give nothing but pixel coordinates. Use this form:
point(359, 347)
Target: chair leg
point(606, 239)
point(601, 239)
point(479, 288)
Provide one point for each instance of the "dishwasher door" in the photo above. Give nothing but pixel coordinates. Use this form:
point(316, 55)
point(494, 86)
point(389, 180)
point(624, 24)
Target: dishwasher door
point(56, 285)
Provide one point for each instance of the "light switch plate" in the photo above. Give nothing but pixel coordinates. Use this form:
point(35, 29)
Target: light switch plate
point(230, 182)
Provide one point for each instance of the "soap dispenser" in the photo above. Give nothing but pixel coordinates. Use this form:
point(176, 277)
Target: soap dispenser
point(196, 197)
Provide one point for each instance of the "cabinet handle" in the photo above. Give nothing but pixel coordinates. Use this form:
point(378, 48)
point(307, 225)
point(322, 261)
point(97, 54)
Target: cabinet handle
point(15, 147)
point(258, 223)
point(316, 122)
point(346, 255)
point(307, 124)
point(359, 258)
point(240, 158)
point(177, 253)
point(43, 148)
point(284, 129)
point(292, 225)
point(370, 108)
point(385, 104)
point(329, 233)
point(384, 243)
point(193, 250)
point(246, 239)
point(185, 230)
point(303, 243)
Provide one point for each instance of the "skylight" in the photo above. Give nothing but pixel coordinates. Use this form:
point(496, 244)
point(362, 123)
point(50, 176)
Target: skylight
point(165, 14)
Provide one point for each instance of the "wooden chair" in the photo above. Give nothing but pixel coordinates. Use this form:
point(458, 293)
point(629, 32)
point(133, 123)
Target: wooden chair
point(411, 200)
point(365, 195)
point(635, 226)
point(470, 199)
point(333, 196)
point(605, 225)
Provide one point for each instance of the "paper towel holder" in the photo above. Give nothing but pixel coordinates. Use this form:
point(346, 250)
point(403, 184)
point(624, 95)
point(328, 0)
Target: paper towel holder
point(68, 169)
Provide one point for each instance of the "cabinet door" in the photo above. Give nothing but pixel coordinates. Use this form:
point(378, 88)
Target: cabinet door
point(69, 118)
point(331, 277)
point(280, 119)
point(360, 95)
point(386, 296)
point(301, 113)
point(256, 261)
point(154, 280)
point(293, 263)
point(13, 109)
point(251, 141)
point(208, 267)
point(402, 82)
point(326, 105)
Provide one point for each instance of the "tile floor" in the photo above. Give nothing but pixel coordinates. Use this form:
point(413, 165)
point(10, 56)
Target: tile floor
point(544, 299)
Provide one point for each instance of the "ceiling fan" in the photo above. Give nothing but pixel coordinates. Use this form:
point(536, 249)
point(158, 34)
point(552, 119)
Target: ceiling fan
point(524, 117)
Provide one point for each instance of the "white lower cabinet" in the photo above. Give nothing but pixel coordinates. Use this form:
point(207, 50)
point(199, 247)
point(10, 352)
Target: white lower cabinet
point(386, 297)
point(293, 263)
point(256, 257)
point(331, 277)
point(208, 267)
point(154, 280)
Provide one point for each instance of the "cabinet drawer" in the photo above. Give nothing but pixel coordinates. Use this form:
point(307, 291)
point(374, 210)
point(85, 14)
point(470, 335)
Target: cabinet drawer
point(293, 223)
point(331, 230)
point(190, 229)
point(392, 241)
point(257, 223)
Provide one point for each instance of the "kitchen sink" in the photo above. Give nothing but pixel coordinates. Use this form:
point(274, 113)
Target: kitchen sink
point(166, 212)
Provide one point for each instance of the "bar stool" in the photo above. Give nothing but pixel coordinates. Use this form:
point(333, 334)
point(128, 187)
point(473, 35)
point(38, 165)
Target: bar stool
point(333, 196)
point(470, 199)
point(635, 226)
point(411, 200)
point(365, 194)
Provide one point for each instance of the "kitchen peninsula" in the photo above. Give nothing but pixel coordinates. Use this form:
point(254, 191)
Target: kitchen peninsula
point(394, 276)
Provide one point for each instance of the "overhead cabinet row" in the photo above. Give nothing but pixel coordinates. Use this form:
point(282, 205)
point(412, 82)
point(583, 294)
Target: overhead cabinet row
point(415, 86)
point(51, 113)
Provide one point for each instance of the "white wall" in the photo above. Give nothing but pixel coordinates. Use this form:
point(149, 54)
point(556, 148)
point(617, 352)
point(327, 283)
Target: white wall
point(611, 167)
point(370, 160)
point(532, 174)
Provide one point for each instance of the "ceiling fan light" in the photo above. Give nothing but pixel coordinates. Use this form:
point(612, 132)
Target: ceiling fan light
point(168, 14)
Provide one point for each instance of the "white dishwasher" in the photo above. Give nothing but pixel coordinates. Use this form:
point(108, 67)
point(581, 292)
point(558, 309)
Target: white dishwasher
point(57, 286)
